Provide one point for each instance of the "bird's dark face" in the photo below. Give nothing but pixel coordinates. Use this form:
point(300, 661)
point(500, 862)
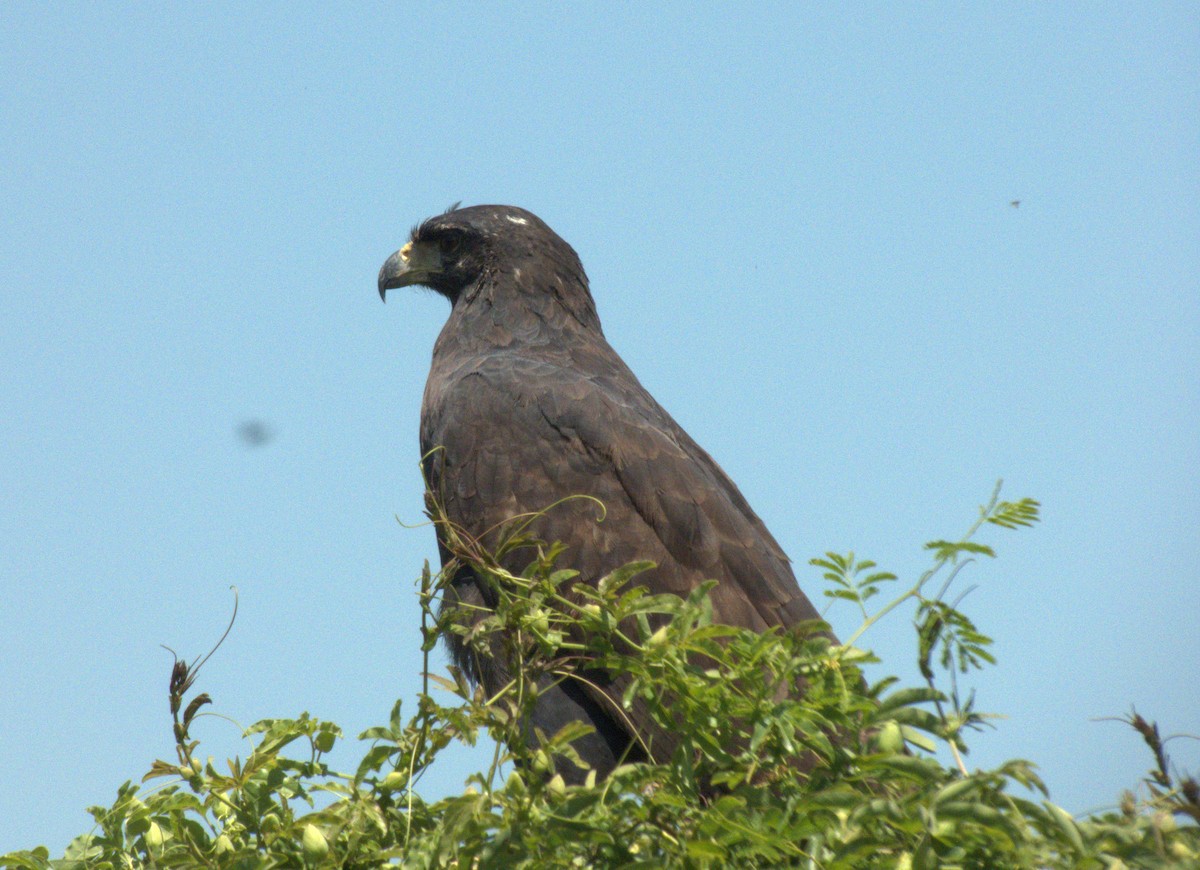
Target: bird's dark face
point(452, 251)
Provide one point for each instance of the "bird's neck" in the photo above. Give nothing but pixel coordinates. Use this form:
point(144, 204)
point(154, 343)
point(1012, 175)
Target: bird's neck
point(512, 312)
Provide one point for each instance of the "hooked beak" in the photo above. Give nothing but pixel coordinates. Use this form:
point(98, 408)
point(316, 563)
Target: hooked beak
point(412, 264)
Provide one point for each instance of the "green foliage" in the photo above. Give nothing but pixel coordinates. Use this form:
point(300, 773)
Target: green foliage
point(840, 777)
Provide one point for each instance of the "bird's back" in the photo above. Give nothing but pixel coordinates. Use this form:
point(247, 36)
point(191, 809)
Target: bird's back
point(516, 430)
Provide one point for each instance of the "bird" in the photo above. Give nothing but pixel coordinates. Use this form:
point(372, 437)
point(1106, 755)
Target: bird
point(526, 404)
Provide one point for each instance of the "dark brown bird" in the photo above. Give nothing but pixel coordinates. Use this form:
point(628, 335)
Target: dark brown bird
point(528, 404)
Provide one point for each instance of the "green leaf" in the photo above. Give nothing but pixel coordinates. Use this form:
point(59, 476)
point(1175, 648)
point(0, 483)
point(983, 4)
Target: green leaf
point(1011, 515)
point(373, 760)
point(448, 685)
point(957, 789)
point(34, 859)
point(1066, 825)
point(908, 697)
point(911, 735)
point(706, 850)
point(949, 551)
point(613, 581)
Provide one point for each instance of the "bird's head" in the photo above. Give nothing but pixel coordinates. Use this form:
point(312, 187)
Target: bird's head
point(453, 251)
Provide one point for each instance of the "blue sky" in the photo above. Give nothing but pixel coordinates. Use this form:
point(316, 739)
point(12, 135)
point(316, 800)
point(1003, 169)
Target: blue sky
point(799, 234)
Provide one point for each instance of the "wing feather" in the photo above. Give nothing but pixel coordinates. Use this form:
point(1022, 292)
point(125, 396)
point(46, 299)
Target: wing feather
point(519, 434)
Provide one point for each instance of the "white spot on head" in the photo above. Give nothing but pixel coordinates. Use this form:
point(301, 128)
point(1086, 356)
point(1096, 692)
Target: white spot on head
point(515, 219)
point(517, 274)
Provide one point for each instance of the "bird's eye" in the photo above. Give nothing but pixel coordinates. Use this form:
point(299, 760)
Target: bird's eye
point(450, 244)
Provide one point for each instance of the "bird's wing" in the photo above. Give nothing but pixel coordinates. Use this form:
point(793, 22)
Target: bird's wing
point(676, 488)
point(517, 434)
point(521, 433)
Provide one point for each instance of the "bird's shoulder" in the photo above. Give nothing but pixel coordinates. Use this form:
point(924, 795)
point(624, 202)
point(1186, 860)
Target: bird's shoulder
point(552, 387)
